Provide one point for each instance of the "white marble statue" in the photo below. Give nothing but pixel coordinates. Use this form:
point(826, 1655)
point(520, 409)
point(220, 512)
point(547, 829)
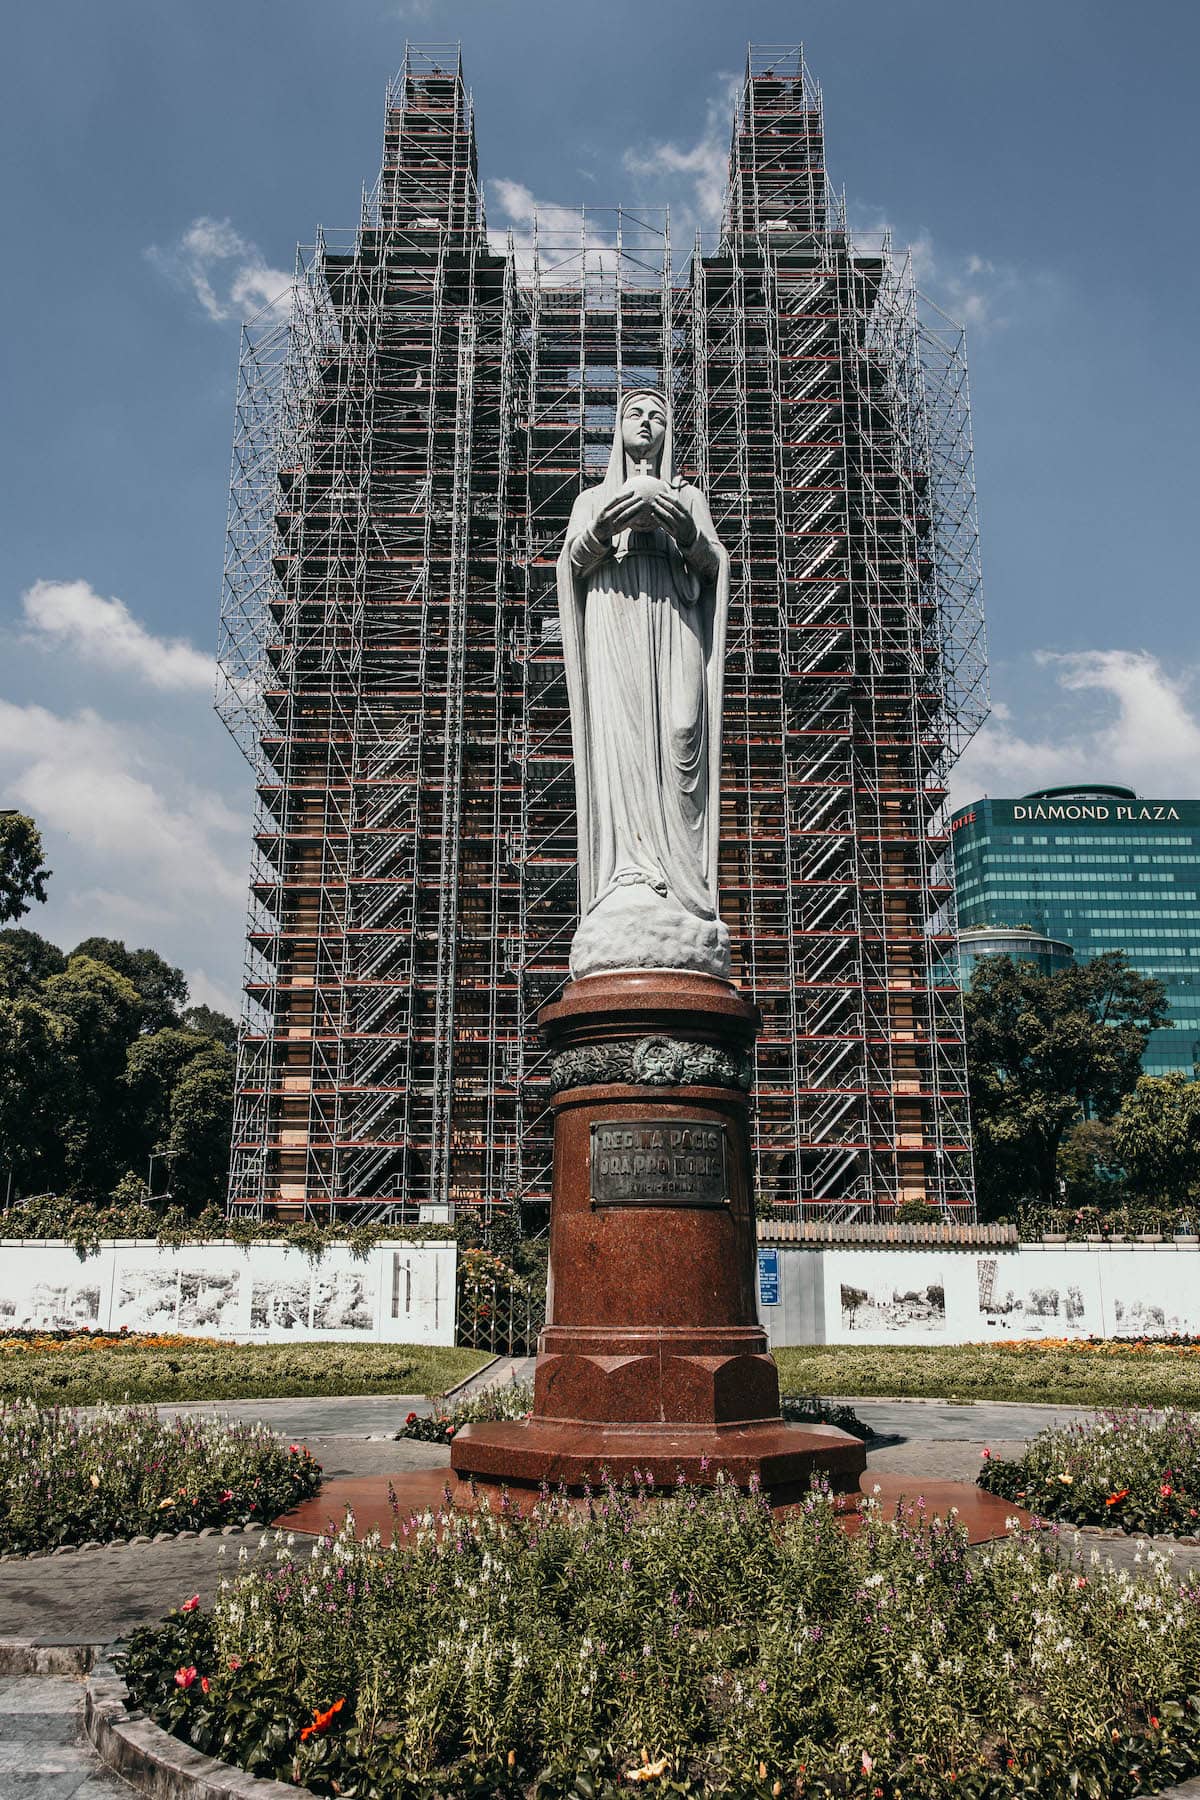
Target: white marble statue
point(643, 592)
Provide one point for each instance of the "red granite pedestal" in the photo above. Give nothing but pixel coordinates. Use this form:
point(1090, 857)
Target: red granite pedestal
point(652, 1358)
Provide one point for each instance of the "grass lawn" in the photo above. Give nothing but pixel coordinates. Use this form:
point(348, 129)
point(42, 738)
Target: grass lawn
point(76, 1374)
point(1048, 1373)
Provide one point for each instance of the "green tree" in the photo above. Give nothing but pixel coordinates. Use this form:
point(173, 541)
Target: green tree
point(26, 961)
point(213, 1024)
point(1044, 1051)
point(99, 1014)
point(36, 1072)
point(1089, 1168)
point(23, 875)
point(201, 1128)
point(163, 988)
point(1156, 1134)
point(153, 1066)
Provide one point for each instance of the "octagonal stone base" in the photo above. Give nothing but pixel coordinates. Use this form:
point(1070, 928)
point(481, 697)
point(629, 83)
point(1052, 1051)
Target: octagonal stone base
point(781, 1459)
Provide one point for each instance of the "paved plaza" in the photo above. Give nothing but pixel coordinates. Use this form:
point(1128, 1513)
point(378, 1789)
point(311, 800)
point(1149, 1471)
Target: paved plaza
point(95, 1597)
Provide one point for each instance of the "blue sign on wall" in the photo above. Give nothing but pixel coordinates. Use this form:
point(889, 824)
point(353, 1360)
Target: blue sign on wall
point(768, 1278)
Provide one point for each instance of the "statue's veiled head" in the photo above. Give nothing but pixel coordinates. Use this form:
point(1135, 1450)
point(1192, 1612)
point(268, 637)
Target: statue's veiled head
point(644, 421)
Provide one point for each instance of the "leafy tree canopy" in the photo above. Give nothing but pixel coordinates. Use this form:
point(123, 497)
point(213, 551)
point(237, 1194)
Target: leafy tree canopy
point(1157, 1137)
point(1043, 1052)
point(26, 961)
point(163, 989)
point(23, 874)
point(210, 1023)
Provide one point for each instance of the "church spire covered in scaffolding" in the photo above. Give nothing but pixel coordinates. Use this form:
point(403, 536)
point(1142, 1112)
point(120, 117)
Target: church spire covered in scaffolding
point(407, 449)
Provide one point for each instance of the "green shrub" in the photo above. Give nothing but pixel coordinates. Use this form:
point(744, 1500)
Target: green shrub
point(67, 1480)
point(691, 1642)
point(76, 1375)
point(1063, 1372)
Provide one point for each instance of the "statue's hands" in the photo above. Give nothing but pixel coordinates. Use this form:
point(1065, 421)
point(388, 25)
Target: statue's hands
point(671, 513)
point(620, 512)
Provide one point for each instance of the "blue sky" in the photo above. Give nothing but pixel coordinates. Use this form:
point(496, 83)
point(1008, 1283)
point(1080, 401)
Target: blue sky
point(163, 157)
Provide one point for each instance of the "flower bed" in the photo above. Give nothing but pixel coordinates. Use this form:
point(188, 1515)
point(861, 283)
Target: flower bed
point(65, 1480)
point(690, 1647)
point(1135, 1470)
point(512, 1401)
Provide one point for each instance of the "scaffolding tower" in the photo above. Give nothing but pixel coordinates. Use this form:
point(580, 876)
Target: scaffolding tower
point(408, 446)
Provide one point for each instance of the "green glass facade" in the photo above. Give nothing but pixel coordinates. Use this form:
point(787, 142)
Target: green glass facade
point(1102, 869)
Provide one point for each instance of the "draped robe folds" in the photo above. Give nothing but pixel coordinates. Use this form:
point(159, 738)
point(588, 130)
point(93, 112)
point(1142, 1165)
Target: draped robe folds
point(643, 626)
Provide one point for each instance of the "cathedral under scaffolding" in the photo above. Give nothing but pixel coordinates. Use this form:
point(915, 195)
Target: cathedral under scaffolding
point(408, 445)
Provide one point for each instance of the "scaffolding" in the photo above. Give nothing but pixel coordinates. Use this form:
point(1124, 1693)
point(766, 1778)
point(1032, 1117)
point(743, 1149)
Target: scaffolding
point(407, 451)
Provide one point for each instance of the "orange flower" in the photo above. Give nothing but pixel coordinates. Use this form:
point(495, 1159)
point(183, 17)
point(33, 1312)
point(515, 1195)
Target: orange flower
point(322, 1720)
point(1115, 1499)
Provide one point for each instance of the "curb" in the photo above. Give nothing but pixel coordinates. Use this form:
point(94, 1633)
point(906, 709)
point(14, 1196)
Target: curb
point(21, 1656)
point(163, 1767)
point(468, 1380)
point(119, 1543)
point(155, 1763)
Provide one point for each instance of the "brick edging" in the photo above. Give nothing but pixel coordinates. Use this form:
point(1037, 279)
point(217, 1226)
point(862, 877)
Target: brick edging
point(165, 1768)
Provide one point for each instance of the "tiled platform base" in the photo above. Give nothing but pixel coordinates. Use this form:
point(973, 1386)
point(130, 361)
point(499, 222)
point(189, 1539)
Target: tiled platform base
point(383, 1503)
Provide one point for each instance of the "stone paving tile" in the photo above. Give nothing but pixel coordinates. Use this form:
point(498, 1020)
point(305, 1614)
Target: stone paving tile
point(43, 1752)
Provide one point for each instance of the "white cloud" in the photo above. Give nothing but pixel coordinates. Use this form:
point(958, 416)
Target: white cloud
point(141, 827)
point(697, 200)
point(71, 615)
point(974, 289)
point(226, 272)
point(1147, 737)
point(563, 233)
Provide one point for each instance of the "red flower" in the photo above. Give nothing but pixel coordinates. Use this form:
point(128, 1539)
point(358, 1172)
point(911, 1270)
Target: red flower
point(227, 1495)
point(235, 1663)
point(1166, 1490)
point(185, 1677)
point(205, 1684)
point(295, 1449)
point(411, 1419)
point(321, 1720)
point(1114, 1499)
point(190, 1605)
point(450, 1430)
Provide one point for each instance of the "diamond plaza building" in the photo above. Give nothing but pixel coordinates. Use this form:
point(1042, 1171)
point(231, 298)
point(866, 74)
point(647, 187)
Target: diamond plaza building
point(1100, 869)
point(408, 447)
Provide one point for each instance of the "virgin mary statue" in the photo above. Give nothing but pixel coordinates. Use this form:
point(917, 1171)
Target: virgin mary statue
point(643, 593)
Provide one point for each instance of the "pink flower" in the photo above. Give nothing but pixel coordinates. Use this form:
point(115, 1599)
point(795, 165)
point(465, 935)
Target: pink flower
point(185, 1677)
point(235, 1663)
point(190, 1605)
point(867, 1764)
point(295, 1449)
point(987, 1456)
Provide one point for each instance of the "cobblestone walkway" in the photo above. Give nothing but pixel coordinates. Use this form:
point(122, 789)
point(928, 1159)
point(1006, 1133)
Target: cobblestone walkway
point(43, 1752)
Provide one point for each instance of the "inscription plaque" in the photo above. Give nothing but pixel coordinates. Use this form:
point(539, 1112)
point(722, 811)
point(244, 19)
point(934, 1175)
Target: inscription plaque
point(658, 1162)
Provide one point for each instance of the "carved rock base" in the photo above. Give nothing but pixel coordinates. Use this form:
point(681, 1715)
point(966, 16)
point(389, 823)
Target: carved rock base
point(652, 1357)
point(637, 928)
